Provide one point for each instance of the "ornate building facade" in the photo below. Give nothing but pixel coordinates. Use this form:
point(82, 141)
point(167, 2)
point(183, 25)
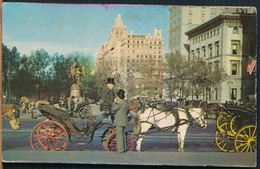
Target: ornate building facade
point(227, 41)
point(183, 19)
point(135, 61)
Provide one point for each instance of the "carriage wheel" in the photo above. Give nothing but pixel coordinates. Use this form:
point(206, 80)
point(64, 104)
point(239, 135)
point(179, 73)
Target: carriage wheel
point(224, 138)
point(234, 124)
point(105, 136)
point(49, 135)
point(85, 112)
point(221, 119)
point(245, 140)
point(112, 144)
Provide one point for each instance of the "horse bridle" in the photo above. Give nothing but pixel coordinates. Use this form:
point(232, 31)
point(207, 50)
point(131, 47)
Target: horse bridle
point(203, 119)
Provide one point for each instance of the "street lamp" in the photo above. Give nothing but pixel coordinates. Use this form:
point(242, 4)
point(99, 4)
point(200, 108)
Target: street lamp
point(8, 74)
point(229, 84)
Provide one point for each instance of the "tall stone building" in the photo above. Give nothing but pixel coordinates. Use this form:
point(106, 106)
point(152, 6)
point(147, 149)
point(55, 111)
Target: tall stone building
point(227, 41)
point(182, 19)
point(135, 61)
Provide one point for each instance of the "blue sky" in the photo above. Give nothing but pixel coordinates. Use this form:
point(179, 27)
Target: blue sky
point(67, 28)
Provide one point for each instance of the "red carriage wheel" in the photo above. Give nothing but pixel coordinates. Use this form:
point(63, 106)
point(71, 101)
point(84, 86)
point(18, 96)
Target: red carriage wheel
point(112, 144)
point(49, 135)
point(105, 136)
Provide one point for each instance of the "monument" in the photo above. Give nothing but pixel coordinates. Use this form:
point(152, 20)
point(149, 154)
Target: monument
point(75, 74)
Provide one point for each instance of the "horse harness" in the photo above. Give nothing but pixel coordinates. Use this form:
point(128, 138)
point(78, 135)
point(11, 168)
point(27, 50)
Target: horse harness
point(173, 112)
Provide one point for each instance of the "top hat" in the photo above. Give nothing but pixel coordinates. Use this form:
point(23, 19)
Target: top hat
point(111, 81)
point(121, 93)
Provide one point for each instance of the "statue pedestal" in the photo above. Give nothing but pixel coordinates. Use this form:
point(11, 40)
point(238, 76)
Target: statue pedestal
point(75, 91)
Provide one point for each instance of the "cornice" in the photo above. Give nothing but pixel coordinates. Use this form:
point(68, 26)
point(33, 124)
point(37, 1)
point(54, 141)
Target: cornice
point(231, 18)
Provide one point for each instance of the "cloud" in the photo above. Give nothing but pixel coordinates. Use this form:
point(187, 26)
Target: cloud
point(51, 47)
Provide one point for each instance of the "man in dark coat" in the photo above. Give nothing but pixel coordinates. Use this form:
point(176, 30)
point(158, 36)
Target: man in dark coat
point(120, 108)
point(108, 97)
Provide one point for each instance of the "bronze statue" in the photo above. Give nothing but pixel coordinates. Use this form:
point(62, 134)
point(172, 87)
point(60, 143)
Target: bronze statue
point(76, 73)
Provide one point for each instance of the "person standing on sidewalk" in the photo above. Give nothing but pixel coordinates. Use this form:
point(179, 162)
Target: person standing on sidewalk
point(108, 97)
point(120, 108)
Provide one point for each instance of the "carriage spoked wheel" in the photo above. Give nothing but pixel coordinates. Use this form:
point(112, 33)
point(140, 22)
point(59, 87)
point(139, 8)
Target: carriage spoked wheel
point(224, 138)
point(234, 124)
point(105, 135)
point(246, 139)
point(50, 136)
point(85, 112)
point(223, 118)
point(112, 144)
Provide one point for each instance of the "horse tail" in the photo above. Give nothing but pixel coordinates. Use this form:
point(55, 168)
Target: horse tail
point(137, 124)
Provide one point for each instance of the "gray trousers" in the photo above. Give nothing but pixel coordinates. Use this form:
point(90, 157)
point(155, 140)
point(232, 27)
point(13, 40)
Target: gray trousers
point(121, 138)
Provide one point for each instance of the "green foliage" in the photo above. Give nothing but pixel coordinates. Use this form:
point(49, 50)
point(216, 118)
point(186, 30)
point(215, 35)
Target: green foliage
point(194, 77)
point(23, 83)
point(43, 75)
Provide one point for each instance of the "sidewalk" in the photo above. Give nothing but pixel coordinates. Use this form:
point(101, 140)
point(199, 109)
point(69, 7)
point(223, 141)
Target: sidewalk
point(135, 158)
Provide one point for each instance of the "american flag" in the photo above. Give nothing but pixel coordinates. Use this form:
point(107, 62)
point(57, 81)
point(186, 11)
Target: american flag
point(251, 67)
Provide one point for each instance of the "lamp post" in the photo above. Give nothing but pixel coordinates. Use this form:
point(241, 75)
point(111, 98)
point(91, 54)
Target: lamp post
point(8, 74)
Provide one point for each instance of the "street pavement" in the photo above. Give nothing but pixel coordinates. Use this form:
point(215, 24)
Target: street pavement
point(158, 149)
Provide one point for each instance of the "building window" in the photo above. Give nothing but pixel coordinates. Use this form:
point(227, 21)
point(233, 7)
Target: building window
point(198, 52)
point(235, 47)
point(192, 54)
point(234, 67)
point(210, 50)
point(235, 29)
point(217, 48)
point(204, 51)
point(217, 65)
point(233, 94)
point(218, 31)
point(207, 35)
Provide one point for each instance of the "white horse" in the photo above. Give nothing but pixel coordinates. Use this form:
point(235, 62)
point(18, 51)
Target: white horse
point(168, 121)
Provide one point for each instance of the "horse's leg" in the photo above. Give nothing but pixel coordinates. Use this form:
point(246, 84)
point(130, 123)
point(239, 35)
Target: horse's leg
point(144, 127)
point(181, 133)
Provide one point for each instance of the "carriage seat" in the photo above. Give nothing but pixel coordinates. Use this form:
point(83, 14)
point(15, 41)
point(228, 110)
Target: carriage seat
point(49, 111)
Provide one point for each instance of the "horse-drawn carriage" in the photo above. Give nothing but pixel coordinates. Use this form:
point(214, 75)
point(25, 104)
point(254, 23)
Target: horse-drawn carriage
point(55, 133)
point(83, 110)
point(236, 129)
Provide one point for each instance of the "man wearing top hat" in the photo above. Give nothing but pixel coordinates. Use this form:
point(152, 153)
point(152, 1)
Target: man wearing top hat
point(108, 97)
point(120, 108)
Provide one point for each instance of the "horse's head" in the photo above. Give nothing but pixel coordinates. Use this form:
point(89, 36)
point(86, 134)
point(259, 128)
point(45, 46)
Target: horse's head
point(134, 106)
point(23, 99)
point(13, 114)
point(199, 116)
